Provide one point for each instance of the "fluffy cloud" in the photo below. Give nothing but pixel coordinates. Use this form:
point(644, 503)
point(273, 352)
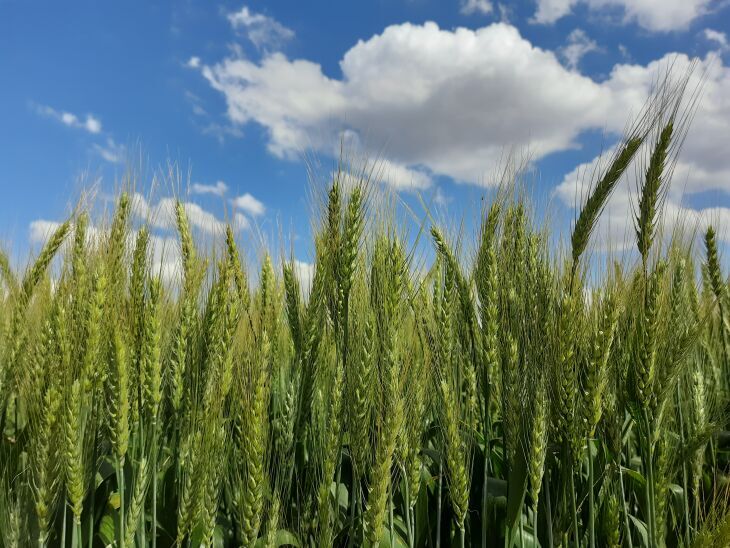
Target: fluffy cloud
point(701, 166)
point(264, 32)
point(654, 15)
point(249, 204)
point(459, 119)
point(89, 123)
point(218, 189)
point(453, 118)
point(162, 215)
point(579, 44)
point(469, 7)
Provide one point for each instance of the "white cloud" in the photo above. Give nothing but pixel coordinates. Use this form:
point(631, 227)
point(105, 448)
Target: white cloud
point(716, 37)
point(89, 123)
point(249, 204)
point(654, 15)
point(40, 230)
point(701, 166)
point(266, 33)
point(218, 189)
point(162, 215)
point(305, 273)
point(461, 119)
point(111, 151)
point(470, 7)
point(452, 118)
point(193, 62)
point(579, 44)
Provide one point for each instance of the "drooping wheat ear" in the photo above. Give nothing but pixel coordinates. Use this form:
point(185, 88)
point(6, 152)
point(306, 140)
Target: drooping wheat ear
point(118, 395)
point(511, 396)
point(187, 246)
point(598, 198)
point(597, 375)
point(611, 522)
point(116, 250)
point(136, 502)
point(214, 476)
point(187, 312)
point(79, 254)
point(91, 368)
point(36, 272)
point(380, 476)
point(360, 377)
point(7, 274)
point(351, 244)
point(46, 477)
point(239, 274)
point(152, 364)
point(331, 457)
point(456, 450)
point(538, 441)
point(137, 298)
point(272, 525)
point(651, 193)
point(292, 296)
point(714, 271)
point(645, 367)
point(254, 450)
point(699, 422)
point(73, 451)
point(565, 371)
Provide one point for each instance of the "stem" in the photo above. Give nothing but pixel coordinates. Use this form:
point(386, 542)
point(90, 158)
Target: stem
point(120, 484)
point(574, 508)
point(63, 528)
point(684, 464)
point(438, 507)
point(625, 506)
point(462, 535)
point(390, 516)
point(487, 457)
point(548, 510)
point(407, 508)
point(75, 532)
point(591, 503)
point(651, 516)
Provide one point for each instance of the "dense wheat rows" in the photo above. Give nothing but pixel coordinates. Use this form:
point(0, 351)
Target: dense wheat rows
point(494, 398)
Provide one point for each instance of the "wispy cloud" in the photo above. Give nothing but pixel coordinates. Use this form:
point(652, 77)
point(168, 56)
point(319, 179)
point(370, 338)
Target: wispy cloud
point(579, 44)
point(718, 38)
point(89, 123)
point(111, 151)
point(266, 33)
point(218, 189)
point(249, 204)
point(470, 7)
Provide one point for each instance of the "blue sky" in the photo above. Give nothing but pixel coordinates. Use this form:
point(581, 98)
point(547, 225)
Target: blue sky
point(237, 94)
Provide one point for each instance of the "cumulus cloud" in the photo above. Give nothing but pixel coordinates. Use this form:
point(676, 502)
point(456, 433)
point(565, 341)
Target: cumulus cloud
point(716, 37)
point(266, 33)
point(460, 119)
point(470, 7)
point(162, 215)
point(701, 165)
point(452, 118)
point(218, 189)
point(664, 15)
point(89, 123)
point(249, 204)
point(579, 44)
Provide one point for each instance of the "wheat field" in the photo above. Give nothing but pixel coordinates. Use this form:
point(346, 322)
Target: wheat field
point(507, 393)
